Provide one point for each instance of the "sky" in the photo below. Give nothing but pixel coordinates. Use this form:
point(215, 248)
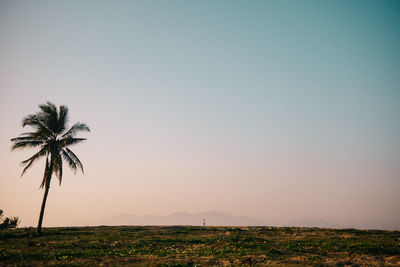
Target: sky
point(276, 110)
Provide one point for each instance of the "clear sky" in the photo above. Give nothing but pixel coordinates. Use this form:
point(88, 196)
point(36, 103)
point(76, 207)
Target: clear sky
point(278, 110)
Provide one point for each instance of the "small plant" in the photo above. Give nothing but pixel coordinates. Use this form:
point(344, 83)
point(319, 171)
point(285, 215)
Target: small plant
point(12, 222)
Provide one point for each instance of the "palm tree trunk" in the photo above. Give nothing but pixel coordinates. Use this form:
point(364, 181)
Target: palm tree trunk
point(48, 171)
point(46, 192)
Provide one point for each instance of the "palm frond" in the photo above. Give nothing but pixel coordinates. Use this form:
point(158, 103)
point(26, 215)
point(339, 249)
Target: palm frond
point(26, 143)
point(69, 141)
point(33, 135)
point(69, 160)
point(75, 158)
point(30, 120)
point(77, 127)
point(58, 166)
point(49, 114)
point(39, 123)
point(32, 159)
point(48, 108)
point(30, 139)
point(39, 154)
point(62, 119)
point(24, 138)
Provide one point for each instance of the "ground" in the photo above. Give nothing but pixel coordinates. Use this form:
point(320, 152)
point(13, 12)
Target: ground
point(198, 246)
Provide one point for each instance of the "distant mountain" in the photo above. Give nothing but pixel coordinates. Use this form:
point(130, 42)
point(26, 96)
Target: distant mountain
point(213, 218)
point(216, 218)
point(313, 223)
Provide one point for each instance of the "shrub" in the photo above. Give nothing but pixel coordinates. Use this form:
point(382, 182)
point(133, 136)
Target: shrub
point(8, 222)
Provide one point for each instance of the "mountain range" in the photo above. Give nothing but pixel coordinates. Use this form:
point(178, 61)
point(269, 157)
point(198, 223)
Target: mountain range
point(217, 218)
point(212, 218)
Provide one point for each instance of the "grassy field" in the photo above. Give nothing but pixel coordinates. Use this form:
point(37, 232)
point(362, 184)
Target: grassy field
point(195, 246)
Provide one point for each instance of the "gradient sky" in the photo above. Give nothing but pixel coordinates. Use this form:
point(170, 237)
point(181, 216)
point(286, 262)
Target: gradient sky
point(278, 110)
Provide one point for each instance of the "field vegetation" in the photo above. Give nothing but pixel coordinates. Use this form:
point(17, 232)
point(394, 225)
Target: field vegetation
point(198, 246)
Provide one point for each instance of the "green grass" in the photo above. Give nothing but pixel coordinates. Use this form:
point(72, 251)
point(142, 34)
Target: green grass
point(190, 246)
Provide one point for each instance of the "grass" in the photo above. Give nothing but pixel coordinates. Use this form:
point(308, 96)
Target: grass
point(195, 246)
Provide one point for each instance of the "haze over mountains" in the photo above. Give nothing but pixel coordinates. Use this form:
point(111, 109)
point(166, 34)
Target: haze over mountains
point(212, 218)
point(217, 218)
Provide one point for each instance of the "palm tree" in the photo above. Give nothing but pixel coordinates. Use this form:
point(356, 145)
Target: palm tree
point(52, 139)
